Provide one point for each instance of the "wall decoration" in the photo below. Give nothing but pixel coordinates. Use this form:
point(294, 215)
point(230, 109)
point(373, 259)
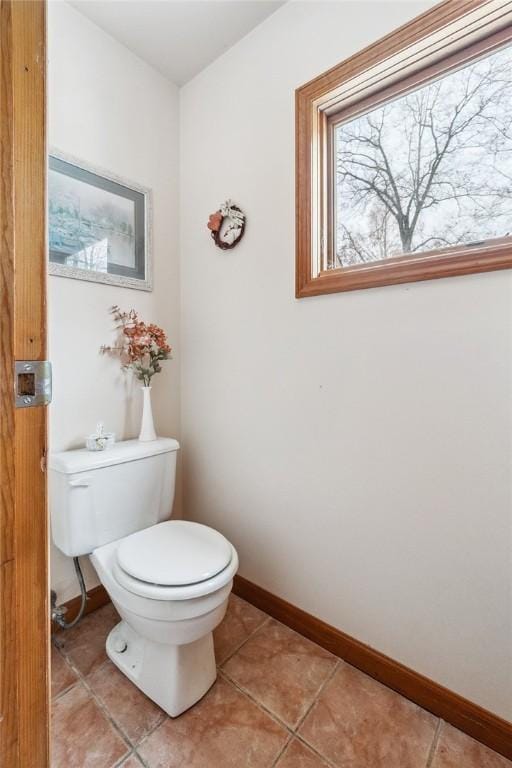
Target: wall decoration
point(99, 225)
point(227, 225)
point(142, 347)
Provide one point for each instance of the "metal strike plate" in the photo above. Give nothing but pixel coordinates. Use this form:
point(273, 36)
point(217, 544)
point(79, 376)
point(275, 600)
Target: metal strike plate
point(32, 383)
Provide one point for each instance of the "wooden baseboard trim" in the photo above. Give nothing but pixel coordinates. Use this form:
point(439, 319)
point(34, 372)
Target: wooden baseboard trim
point(97, 597)
point(477, 722)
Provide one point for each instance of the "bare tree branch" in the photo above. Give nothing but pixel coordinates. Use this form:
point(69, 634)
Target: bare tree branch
point(426, 149)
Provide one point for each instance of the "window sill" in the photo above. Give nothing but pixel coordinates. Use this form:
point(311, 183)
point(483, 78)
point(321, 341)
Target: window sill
point(406, 269)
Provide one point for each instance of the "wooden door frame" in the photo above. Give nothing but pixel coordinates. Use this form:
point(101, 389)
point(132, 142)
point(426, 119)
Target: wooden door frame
point(24, 609)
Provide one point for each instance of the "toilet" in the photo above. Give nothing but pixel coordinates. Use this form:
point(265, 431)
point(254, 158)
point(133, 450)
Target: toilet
point(169, 580)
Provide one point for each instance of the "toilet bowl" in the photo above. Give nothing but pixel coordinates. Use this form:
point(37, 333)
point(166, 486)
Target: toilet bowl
point(169, 580)
point(164, 644)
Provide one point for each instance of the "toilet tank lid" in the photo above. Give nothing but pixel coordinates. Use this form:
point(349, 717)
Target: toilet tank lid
point(82, 460)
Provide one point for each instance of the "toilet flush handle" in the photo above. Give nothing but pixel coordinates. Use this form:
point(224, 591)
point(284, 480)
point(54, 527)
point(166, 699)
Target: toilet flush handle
point(80, 482)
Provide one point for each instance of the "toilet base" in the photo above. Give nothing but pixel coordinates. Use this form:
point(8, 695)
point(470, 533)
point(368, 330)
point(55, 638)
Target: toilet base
point(174, 676)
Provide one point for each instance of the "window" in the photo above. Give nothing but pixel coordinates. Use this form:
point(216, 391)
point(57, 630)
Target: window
point(427, 170)
point(404, 156)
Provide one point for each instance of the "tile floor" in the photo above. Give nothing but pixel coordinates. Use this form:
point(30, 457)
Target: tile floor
point(280, 701)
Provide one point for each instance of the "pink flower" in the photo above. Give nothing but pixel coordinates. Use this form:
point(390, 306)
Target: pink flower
point(142, 347)
point(215, 221)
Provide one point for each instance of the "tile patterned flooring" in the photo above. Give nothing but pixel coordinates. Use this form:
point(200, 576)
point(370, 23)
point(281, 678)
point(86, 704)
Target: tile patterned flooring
point(280, 701)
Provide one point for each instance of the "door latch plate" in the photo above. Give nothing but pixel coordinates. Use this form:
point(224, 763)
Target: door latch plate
point(32, 383)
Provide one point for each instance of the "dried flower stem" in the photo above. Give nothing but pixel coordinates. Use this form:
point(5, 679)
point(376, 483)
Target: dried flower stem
point(142, 347)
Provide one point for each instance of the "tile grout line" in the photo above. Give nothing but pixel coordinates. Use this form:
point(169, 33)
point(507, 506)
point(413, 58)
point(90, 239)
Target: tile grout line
point(433, 746)
point(66, 690)
point(103, 708)
point(221, 673)
point(297, 735)
point(221, 669)
point(121, 761)
point(127, 757)
point(106, 711)
point(319, 693)
point(230, 656)
point(275, 718)
point(283, 750)
point(146, 737)
point(141, 760)
point(109, 717)
point(258, 704)
point(133, 749)
point(292, 730)
point(328, 762)
point(68, 664)
point(291, 733)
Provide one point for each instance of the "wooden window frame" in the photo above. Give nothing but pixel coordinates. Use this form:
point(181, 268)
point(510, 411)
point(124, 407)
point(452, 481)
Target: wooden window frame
point(451, 33)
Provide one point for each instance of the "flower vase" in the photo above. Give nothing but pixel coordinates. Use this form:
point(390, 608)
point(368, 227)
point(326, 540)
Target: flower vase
point(147, 428)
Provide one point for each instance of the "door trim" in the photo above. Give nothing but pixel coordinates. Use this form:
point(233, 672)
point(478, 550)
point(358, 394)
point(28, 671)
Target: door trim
point(8, 683)
point(24, 609)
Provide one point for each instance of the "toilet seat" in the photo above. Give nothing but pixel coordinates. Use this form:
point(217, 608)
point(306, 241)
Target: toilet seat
point(175, 553)
point(195, 556)
point(174, 594)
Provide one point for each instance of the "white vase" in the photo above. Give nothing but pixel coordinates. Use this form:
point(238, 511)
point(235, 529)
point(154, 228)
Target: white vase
point(147, 428)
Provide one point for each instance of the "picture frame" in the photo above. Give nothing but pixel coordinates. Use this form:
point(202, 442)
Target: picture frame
point(99, 225)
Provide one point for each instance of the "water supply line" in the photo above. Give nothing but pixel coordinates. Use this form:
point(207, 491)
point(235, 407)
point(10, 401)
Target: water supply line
point(59, 611)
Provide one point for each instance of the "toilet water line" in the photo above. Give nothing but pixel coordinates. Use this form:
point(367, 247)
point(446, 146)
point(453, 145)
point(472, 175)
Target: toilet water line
point(58, 612)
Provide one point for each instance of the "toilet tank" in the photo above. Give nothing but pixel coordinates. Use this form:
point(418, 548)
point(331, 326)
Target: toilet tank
point(99, 496)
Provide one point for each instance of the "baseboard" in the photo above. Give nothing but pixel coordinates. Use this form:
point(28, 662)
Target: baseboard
point(96, 598)
point(477, 722)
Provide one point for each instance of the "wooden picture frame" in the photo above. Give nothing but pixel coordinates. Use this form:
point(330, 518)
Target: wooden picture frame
point(100, 225)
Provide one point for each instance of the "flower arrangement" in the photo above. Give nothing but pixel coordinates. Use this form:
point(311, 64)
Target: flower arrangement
point(142, 347)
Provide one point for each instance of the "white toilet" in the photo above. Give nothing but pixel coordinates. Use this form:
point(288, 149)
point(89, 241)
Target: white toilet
point(170, 581)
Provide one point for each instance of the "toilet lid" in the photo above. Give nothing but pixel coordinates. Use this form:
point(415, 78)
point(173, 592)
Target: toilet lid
point(174, 553)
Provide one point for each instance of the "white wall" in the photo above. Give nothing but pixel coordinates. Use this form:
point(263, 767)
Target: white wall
point(356, 447)
point(109, 108)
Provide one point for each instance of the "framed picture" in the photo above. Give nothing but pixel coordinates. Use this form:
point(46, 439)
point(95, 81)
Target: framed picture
point(99, 225)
